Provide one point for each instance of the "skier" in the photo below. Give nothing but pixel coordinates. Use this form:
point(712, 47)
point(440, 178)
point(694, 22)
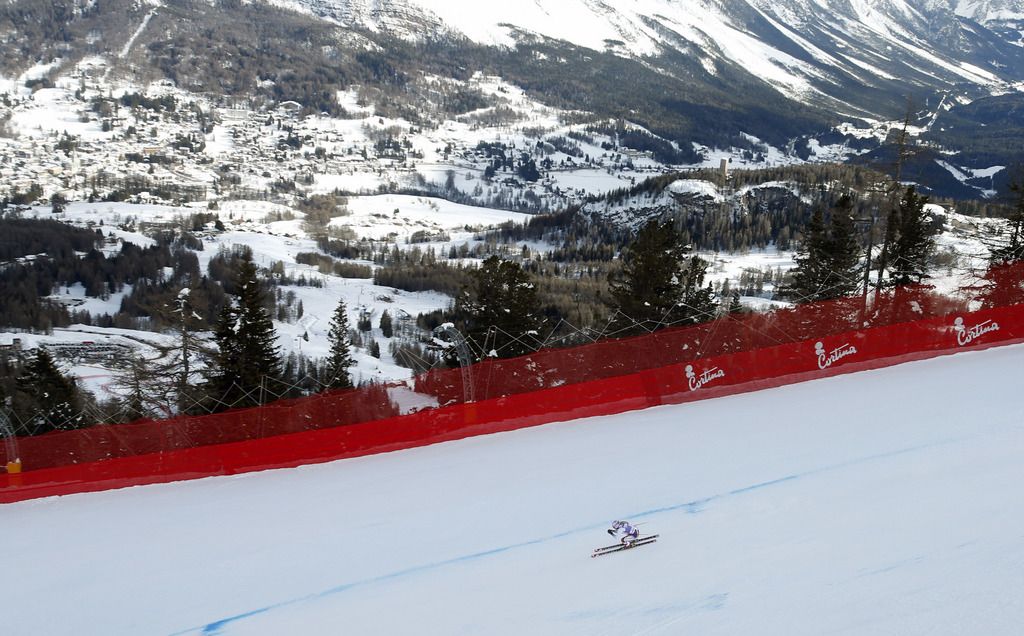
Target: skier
point(627, 530)
point(630, 538)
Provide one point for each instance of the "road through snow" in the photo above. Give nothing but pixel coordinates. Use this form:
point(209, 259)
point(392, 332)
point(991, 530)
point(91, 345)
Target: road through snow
point(887, 502)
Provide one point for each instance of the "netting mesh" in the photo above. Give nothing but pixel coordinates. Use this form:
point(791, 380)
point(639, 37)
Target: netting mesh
point(753, 341)
point(729, 334)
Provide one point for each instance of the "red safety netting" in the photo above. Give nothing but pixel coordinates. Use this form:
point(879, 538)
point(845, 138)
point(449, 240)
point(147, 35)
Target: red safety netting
point(745, 332)
point(732, 354)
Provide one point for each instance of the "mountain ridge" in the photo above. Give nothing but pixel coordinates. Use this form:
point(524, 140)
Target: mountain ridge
point(715, 74)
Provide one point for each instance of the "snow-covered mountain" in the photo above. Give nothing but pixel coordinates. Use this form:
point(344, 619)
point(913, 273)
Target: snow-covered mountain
point(808, 79)
point(988, 11)
point(838, 51)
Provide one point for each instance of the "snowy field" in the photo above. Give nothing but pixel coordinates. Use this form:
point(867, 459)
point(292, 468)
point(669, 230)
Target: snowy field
point(887, 502)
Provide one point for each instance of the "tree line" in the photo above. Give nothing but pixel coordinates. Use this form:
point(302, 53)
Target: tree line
point(509, 305)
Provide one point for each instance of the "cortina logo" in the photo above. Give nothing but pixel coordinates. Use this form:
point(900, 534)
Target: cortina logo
point(825, 360)
point(965, 336)
point(707, 376)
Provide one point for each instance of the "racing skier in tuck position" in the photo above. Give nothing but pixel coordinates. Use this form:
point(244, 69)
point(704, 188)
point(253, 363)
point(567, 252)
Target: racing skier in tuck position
point(630, 537)
point(626, 530)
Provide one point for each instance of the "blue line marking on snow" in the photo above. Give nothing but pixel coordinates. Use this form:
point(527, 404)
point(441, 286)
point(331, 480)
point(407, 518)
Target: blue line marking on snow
point(692, 507)
point(696, 506)
point(766, 484)
point(216, 627)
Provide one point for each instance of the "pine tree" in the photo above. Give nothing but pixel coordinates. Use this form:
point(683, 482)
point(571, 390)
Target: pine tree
point(845, 248)
point(1013, 251)
point(912, 242)
point(58, 203)
point(1003, 281)
point(697, 302)
point(386, 326)
point(500, 310)
point(340, 358)
point(647, 288)
point(225, 386)
point(1002, 284)
point(811, 271)
point(248, 356)
point(660, 283)
point(46, 400)
point(828, 262)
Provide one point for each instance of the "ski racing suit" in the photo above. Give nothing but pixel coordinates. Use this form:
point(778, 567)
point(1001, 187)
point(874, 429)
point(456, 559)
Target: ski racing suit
point(626, 530)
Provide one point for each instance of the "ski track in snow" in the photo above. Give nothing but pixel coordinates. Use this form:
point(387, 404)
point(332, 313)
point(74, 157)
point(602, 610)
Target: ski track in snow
point(692, 507)
point(142, 27)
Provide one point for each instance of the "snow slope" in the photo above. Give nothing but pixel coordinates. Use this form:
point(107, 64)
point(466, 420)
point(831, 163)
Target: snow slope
point(806, 49)
point(990, 10)
point(838, 506)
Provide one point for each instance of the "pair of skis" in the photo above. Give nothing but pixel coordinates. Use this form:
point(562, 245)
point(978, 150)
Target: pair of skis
point(619, 547)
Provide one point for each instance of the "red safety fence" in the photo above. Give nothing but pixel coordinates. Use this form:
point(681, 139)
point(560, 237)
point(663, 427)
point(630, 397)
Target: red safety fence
point(730, 355)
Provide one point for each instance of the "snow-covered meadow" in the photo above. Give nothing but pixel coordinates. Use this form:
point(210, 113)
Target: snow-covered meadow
point(253, 224)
